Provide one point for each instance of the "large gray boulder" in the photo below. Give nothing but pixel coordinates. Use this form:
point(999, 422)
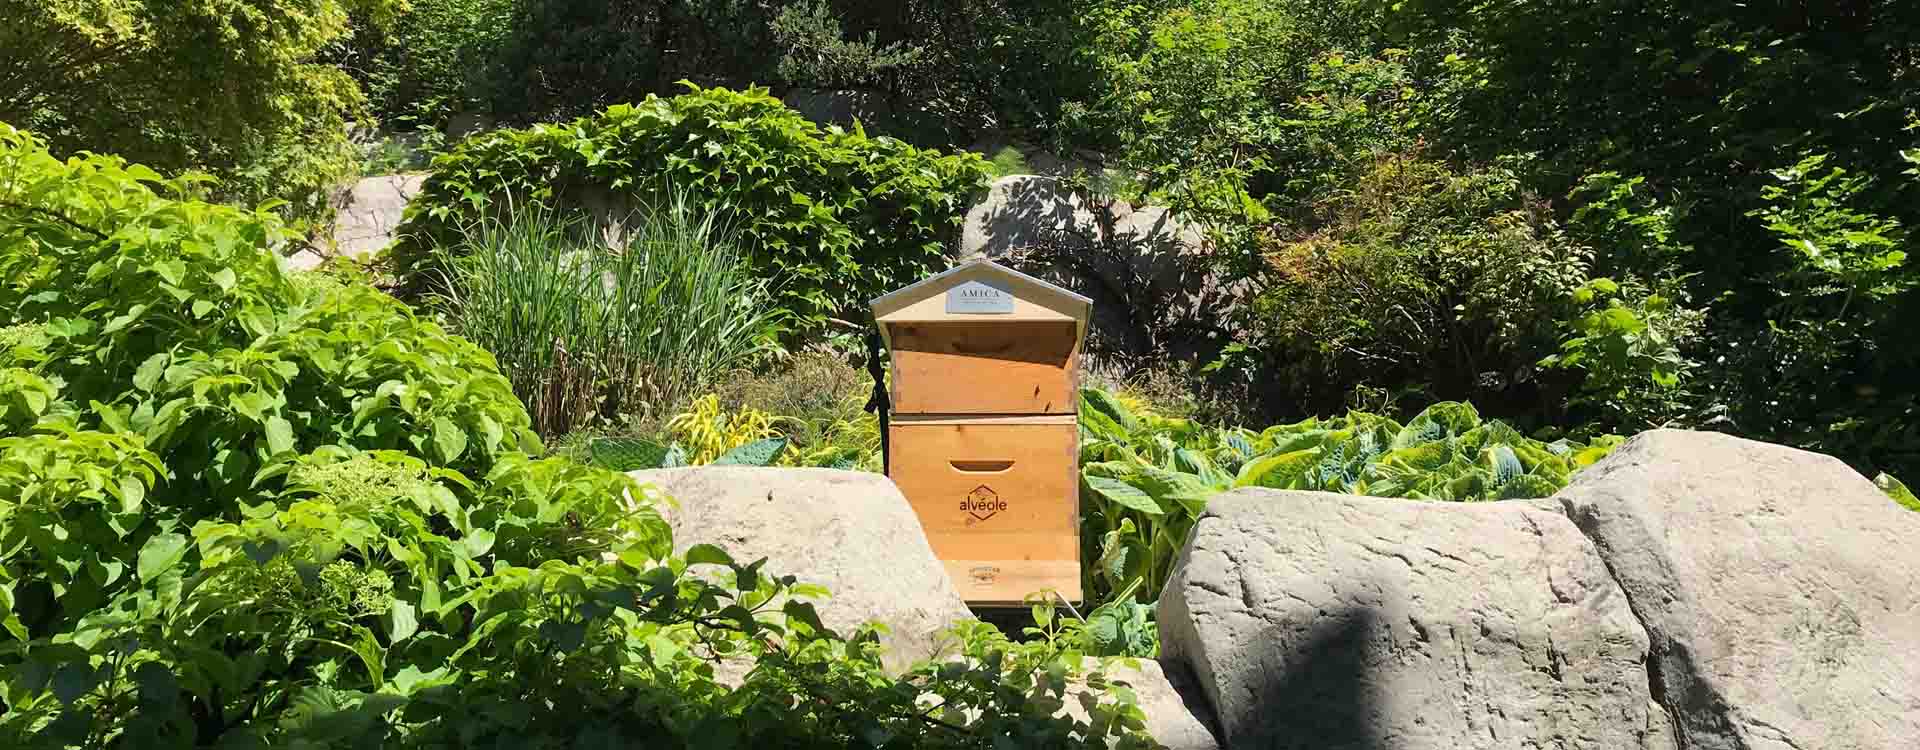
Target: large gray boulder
point(1781, 589)
point(1313, 620)
point(851, 532)
point(1021, 212)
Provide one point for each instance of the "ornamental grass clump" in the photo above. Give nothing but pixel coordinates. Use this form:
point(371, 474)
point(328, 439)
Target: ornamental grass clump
point(591, 320)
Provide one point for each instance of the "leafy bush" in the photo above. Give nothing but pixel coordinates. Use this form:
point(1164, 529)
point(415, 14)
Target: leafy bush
point(834, 218)
point(1147, 478)
point(708, 433)
point(1630, 344)
point(240, 508)
point(813, 52)
point(592, 321)
point(1418, 276)
point(232, 87)
point(436, 58)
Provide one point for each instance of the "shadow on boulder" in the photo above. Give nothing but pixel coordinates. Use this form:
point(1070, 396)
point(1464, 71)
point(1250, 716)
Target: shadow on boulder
point(1318, 694)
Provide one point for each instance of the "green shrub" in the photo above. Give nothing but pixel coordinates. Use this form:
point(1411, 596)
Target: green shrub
point(1147, 478)
point(591, 321)
point(240, 508)
point(813, 52)
point(834, 218)
point(436, 59)
point(232, 87)
point(1418, 276)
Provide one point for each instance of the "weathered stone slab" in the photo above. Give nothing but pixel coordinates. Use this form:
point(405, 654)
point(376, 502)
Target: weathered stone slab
point(1781, 589)
point(1313, 620)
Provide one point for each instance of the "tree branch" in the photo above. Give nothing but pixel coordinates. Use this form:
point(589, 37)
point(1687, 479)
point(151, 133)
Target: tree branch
point(53, 215)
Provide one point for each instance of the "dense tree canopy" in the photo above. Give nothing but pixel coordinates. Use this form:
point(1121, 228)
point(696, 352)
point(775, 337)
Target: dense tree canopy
point(227, 86)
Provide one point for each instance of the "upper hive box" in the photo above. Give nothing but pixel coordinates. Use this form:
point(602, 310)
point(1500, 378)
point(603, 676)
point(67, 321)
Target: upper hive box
point(983, 339)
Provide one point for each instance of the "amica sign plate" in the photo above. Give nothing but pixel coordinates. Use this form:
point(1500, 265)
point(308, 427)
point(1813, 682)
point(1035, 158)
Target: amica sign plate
point(980, 297)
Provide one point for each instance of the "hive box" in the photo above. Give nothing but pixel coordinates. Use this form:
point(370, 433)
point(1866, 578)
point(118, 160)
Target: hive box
point(984, 440)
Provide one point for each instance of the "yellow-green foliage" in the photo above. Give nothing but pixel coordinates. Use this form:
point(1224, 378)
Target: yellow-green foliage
point(707, 432)
point(1148, 477)
point(1898, 491)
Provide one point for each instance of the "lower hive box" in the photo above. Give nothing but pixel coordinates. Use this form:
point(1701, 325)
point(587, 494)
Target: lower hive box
point(998, 497)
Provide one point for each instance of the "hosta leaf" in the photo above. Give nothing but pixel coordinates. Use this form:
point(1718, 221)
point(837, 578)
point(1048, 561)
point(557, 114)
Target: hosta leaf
point(1422, 457)
point(1124, 495)
point(756, 453)
point(1174, 488)
point(1527, 487)
point(627, 454)
point(1282, 471)
point(1504, 464)
point(1440, 421)
point(1106, 413)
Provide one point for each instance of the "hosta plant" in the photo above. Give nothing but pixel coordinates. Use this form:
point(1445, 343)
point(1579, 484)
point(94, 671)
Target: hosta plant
point(1147, 477)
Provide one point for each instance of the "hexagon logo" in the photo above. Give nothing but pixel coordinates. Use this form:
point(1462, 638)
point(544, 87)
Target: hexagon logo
point(982, 503)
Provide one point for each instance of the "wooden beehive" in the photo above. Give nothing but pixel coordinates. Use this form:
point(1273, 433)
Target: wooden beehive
point(984, 440)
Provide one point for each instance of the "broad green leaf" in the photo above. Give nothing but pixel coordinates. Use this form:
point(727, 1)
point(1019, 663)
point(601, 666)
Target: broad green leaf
point(1282, 471)
point(132, 493)
point(757, 453)
point(150, 372)
point(627, 454)
point(73, 680)
point(1897, 490)
point(1124, 495)
point(279, 435)
point(1438, 422)
point(160, 554)
point(707, 554)
point(400, 621)
point(448, 439)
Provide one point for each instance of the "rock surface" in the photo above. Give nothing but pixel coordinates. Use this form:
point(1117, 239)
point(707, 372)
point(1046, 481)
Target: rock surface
point(1313, 620)
point(850, 531)
point(365, 218)
point(1778, 586)
point(1176, 711)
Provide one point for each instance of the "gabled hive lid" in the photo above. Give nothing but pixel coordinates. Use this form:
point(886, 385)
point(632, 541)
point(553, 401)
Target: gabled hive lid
point(981, 291)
